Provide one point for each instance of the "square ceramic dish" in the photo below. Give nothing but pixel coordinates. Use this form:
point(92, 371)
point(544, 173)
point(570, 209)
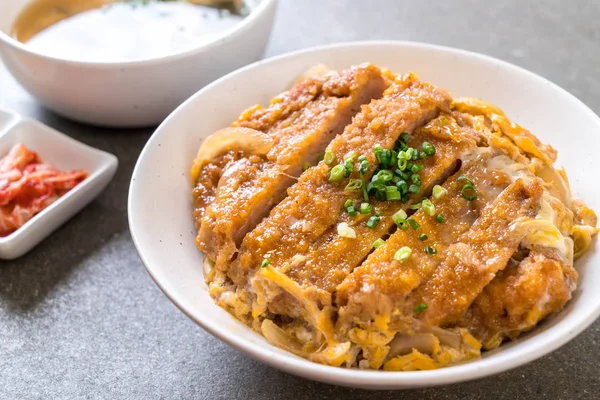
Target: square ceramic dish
point(63, 153)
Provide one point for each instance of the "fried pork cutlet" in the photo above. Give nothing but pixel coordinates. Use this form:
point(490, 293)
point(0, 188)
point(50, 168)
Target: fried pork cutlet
point(251, 186)
point(314, 204)
point(431, 229)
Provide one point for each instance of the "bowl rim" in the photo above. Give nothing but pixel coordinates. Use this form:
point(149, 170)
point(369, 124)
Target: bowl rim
point(546, 343)
point(233, 33)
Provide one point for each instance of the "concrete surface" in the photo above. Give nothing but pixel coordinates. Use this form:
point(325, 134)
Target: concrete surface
point(80, 317)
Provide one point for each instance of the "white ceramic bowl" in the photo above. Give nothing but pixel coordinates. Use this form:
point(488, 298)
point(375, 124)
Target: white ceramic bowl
point(135, 93)
point(160, 195)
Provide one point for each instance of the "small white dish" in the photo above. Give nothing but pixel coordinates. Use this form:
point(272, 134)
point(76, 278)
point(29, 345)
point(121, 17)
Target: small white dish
point(61, 152)
point(131, 93)
point(160, 209)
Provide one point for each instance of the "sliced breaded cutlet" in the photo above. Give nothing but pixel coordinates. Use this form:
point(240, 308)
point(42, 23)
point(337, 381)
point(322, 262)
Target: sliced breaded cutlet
point(330, 259)
point(520, 296)
point(251, 186)
point(480, 253)
point(281, 112)
point(314, 204)
point(381, 284)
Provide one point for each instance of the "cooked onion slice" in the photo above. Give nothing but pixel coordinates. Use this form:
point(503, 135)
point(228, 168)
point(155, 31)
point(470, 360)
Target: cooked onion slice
point(247, 140)
point(334, 354)
point(279, 337)
point(540, 232)
point(426, 343)
point(447, 337)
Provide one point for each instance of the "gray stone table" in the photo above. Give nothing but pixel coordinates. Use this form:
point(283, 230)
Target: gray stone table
point(80, 317)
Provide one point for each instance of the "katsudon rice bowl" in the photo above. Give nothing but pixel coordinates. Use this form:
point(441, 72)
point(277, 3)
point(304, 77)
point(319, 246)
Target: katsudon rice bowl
point(368, 214)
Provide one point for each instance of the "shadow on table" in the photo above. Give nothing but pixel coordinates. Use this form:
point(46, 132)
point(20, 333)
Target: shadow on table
point(27, 281)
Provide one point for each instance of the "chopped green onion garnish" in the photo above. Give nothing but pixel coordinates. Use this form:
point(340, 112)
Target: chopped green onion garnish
point(405, 137)
point(352, 211)
point(377, 150)
point(402, 187)
point(428, 207)
point(416, 179)
point(422, 155)
point(430, 250)
point(386, 156)
point(402, 163)
point(385, 175)
point(347, 203)
point(362, 158)
point(423, 237)
point(380, 195)
point(306, 165)
point(377, 181)
point(348, 168)
point(428, 148)
point(337, 173)
point(377, 213)
point(439, 192)
point(399, 217)
point(329, 157)
point(383, 156)
point(468, 192)
point(354, 184)
point(378, 243)
point(350, 156)
point(373, 222)
point(364, 166)
point(265, 263)
point(417, 168)
point(366, 208)
point(402, 225)
point(371, 189)
point(420, 308)
point(403, 254)
point(345, 231)
point(393, 195)
point(440, 218)
point(390, 190)
point(413, 223)
point(393, 158)
point(414, 189)
point(364, 186)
